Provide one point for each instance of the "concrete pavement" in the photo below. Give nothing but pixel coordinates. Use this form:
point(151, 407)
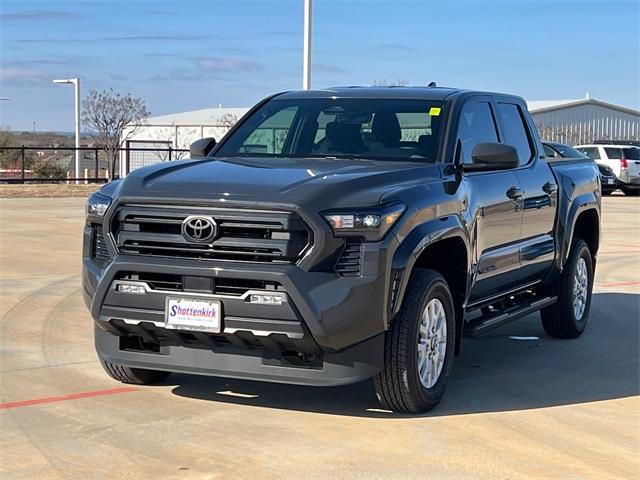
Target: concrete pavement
point(540, 408)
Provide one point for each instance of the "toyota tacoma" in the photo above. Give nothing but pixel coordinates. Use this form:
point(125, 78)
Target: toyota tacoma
point(336, 235)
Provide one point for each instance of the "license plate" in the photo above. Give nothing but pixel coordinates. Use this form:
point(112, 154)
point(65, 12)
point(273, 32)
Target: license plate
point(610, 181)
point(196, 314)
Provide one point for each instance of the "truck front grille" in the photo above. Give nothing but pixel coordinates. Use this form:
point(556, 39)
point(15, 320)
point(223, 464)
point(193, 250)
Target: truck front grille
point(212, 285)
point(243, 235)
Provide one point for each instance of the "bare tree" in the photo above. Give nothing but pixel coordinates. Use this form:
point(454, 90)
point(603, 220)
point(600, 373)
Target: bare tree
point(228, 120)
point(112, 119)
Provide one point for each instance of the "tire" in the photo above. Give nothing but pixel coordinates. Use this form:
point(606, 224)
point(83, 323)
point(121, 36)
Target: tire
point(399, 386)
point(561, 320)
point(607, 193)
point(631, 192)
point(135, 376)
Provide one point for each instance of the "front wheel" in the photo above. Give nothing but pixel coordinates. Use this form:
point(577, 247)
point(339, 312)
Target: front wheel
point(418, 347)
point(567, 318)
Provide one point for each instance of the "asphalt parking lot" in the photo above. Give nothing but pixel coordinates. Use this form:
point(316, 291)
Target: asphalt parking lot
point(540, 408)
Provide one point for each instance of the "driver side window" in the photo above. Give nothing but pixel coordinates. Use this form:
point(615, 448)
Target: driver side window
point(476, 125)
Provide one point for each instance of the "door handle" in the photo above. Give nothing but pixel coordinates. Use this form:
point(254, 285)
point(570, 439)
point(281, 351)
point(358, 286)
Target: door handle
point(515, 193)
point(550, 188)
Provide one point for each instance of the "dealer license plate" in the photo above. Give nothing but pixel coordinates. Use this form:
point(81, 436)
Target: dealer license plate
point(196, 314)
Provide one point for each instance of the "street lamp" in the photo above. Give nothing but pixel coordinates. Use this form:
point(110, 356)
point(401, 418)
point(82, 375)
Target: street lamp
point(76, 83)
point(306, 49)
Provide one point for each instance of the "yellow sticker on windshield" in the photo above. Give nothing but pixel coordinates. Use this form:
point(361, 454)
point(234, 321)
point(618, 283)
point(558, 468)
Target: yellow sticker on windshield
point(434, 111)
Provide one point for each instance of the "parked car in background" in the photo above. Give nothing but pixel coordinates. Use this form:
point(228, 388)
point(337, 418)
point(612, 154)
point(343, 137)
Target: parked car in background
point(628, 143)
point(623, 160)
point(608, 177)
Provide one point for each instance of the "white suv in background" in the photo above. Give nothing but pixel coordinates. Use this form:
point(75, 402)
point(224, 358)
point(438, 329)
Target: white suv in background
point(624, 160)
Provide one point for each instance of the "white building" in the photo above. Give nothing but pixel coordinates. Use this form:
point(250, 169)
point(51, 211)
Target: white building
point(584, 120)
point(166, 137)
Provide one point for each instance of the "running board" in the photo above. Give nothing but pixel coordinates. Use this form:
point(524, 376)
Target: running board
point(484, 324)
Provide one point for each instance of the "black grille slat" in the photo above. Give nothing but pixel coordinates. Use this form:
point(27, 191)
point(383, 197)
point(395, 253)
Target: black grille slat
point(350, 262)
point(252, 236)
point(189, 252)
point(100, 250)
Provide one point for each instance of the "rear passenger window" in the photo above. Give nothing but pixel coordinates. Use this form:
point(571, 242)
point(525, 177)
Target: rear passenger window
point(476, 125)
point(613, 153)
point(515, 131)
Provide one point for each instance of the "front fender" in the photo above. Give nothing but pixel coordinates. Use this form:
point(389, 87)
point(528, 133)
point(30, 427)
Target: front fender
point(414, 244)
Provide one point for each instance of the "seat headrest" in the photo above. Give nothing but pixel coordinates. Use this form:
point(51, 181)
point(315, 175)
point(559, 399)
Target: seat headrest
point(386, 129)
point(427, 146)
point(345, 137)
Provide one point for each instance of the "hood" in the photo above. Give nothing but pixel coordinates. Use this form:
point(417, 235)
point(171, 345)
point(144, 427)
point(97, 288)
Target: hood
point(321, 183)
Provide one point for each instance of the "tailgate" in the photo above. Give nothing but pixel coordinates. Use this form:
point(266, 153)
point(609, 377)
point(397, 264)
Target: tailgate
point(633, 161)
point(634, 168)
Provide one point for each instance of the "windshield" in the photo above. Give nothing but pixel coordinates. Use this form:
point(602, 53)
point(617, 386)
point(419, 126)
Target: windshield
point(376, 128)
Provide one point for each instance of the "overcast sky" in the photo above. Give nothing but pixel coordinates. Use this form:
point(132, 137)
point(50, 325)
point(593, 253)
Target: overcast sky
point(188, 54)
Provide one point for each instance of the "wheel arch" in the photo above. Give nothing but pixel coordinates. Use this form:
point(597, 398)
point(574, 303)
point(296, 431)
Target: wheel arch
point(583, 221)
point(442, 245)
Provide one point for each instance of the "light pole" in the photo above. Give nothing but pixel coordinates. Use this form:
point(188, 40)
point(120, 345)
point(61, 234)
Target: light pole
point(76, 83)
point(306, 50)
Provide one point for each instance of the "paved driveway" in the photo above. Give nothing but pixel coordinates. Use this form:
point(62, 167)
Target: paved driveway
point(515, 408)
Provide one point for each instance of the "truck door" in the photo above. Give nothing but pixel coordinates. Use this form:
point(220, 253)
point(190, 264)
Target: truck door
point(540, 192)
point(495, 205)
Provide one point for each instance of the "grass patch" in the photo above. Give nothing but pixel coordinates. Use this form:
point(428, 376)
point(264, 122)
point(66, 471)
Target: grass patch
point(47, 190)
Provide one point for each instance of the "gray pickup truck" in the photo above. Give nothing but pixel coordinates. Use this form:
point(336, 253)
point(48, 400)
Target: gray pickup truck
point(336, 235)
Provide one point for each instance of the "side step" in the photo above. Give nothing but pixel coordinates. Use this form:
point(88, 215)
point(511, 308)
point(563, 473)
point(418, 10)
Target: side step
point(484, 324)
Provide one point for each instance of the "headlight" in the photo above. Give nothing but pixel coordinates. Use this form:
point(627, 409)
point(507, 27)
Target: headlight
point(372, 224)
point(97, 205)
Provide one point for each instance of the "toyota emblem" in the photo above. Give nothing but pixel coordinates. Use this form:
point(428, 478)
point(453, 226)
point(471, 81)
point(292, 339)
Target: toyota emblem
point(197, 229)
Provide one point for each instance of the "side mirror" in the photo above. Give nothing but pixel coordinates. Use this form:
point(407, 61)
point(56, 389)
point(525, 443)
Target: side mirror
point(201, 148)
point(492, 156)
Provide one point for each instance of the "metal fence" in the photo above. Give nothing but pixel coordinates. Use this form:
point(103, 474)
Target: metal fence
point(36, 164)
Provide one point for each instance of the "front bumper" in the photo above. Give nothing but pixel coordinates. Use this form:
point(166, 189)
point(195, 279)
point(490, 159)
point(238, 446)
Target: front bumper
point(348, 366)
point(334, 324)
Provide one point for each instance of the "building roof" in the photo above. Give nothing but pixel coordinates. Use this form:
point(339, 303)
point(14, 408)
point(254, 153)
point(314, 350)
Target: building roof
point(540, 106)
point(206, 116)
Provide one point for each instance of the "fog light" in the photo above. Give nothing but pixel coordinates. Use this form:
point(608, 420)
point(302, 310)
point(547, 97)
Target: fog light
point(131, 289)
point(267, 299)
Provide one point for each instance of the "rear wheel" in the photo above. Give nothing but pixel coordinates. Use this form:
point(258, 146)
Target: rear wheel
point(136, 376)
point(418, 347)
point(568, 317)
